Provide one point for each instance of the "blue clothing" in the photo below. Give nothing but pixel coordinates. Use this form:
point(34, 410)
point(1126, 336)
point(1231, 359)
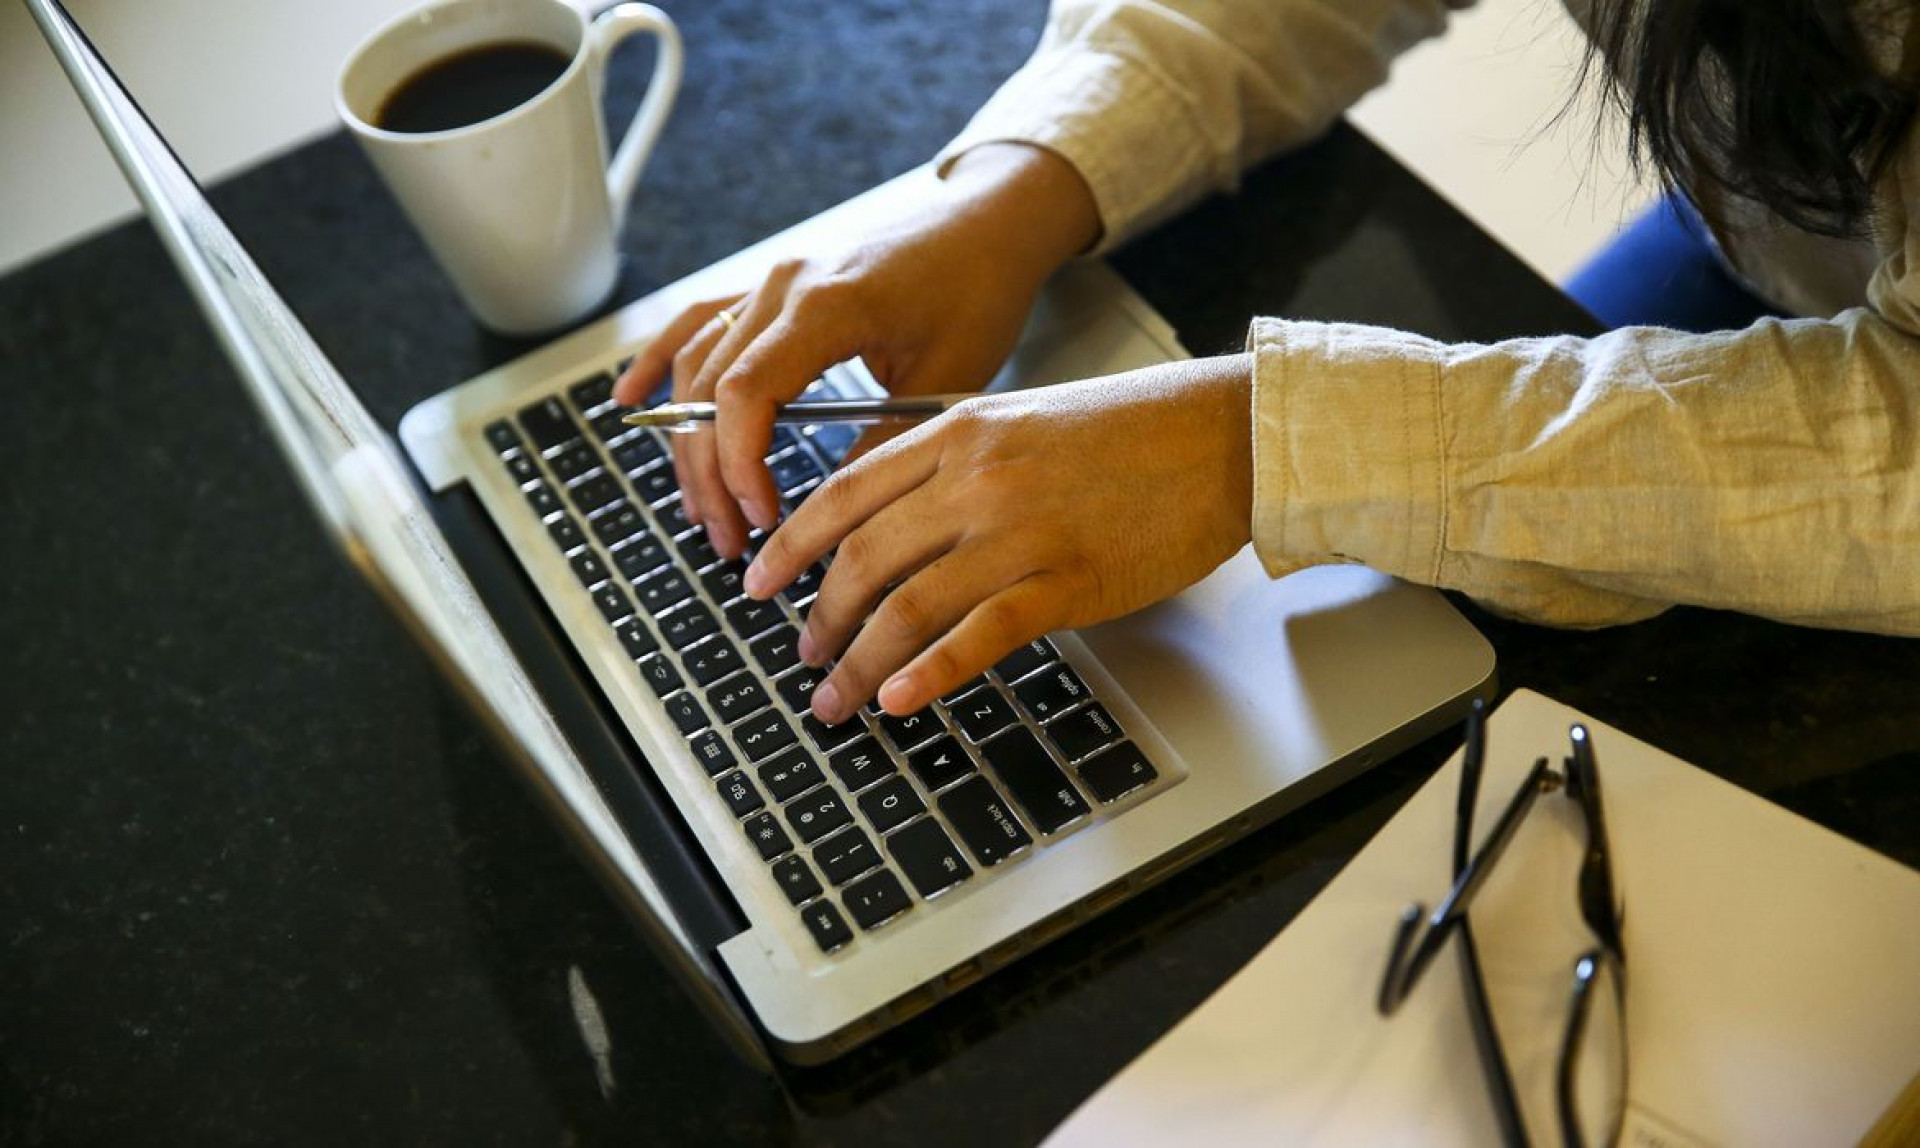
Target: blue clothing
point(1662, 271)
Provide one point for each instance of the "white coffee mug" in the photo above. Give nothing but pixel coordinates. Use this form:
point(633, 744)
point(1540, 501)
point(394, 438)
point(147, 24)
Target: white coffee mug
point(522, 210)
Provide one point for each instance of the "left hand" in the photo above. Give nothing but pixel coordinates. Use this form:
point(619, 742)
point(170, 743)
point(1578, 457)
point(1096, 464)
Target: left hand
point(1013, 515)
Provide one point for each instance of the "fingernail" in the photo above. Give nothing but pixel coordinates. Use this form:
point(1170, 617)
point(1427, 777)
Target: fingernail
point(826, 703)
point(808, 651)
point(762, 515)
point(757, 583)
point(896, 694)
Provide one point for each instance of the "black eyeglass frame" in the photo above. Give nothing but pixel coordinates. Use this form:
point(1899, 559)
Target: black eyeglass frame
point(1420, 935)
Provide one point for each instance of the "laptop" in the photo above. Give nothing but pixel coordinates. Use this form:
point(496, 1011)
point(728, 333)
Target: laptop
point(810, 886)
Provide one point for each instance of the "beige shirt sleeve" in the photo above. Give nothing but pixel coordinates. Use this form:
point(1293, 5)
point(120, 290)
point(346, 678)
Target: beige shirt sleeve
point(1583, 482)
point(1158, 102)
point(1774, 471)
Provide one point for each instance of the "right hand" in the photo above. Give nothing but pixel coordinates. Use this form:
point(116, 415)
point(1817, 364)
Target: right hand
point(932, 300)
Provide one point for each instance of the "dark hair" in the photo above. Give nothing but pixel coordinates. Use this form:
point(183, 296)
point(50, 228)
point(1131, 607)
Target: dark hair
point(1779, 102)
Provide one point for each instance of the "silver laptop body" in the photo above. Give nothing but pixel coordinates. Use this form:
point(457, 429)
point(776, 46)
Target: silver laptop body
point(1243, 697)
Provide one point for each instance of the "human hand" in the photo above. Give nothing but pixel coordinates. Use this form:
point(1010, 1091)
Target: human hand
point(1012, 515)
point(932, 300)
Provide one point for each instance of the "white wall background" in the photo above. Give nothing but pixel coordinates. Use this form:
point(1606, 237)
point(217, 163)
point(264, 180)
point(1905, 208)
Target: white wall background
point(232, 82)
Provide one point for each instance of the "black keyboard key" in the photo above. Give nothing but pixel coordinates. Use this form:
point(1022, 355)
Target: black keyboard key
point(711, 660)
point(891, 804)
point(795, 879)
point(522, 468)
point(1037, 785)
point(636, 638)
point(711, 751)
point(818, 814)
point(544, 501)
point(763, 829)
point(659, 673)
point(1085, 732)
point(928, 857)
point(501, 436)
point(983, 821)
point(739, 793)
point(637, 453)
point(737, 697)
point(798, 495)
point(1026, 659)
point(829, 929)
point(794, 469)
point(573, 460)
point(723, 581)
point(687, 625)
point(983, 713)
point(613, 603)
point(875, 900)
point(763, 735)
point(588, 568)
point(1117, 772)
point(595, 492)
point(777, 650)
point(845, 855)
point(592, 393)
point(566, 533)
point(790, 774)
point(861, 764)
point(662, 591)
point(833, 441)
point(686, 713)
point(654, 485)
point(548, 424)
point(618, 522)
point(964, 690)
point(804, 587)
point(831, 737)
point(1051, 692)
point(696, 549)
point(940, 763)
point(796, 689)
point(673, 518)
point(609, 426)
point(749, 618)
point(914, 729)
point(642, 554)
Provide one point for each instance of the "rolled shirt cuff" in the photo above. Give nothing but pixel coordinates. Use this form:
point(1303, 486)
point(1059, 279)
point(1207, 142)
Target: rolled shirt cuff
point(1348, 448)
point(1062, 102)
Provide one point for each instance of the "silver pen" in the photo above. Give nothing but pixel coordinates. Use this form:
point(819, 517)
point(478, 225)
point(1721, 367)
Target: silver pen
point(687, 416)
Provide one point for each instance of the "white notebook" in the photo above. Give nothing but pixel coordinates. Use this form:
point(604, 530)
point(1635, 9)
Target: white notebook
point(1773, 992)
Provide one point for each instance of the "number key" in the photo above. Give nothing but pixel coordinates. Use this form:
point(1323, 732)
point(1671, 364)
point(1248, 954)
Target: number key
point(818, 814)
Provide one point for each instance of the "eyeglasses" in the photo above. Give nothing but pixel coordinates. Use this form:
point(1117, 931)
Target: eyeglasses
point(1591, 1080)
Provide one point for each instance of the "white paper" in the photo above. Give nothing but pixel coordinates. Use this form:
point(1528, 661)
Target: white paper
point(1773, 992)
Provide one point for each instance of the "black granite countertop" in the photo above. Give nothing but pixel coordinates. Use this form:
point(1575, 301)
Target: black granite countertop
point(263, 880)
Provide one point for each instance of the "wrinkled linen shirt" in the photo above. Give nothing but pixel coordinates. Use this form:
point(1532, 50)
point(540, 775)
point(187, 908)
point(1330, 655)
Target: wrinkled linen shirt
point(1572, 481)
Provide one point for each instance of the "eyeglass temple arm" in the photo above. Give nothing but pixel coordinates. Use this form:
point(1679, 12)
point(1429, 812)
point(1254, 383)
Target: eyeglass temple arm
point(1599, 902)
point(1418, 937)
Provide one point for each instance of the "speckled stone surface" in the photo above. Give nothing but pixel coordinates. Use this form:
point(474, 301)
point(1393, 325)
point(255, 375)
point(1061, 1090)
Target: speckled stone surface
point(263, 881)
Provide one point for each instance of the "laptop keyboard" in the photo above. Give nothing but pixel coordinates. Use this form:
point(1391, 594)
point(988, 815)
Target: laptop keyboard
point(872, 816)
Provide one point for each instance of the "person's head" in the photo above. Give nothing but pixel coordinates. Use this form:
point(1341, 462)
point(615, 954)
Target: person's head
point(1797, 105)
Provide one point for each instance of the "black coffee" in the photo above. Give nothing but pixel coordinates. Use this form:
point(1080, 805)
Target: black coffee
point(471, 86)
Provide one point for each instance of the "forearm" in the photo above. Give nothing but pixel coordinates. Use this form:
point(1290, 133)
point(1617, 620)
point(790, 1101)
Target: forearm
point(1590, 482)
point(1026, 202)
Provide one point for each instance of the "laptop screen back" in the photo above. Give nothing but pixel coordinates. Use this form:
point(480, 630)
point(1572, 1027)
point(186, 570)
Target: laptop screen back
point(353, 476)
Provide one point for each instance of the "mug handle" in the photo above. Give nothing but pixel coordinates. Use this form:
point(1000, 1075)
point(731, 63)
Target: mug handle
point(608, 29)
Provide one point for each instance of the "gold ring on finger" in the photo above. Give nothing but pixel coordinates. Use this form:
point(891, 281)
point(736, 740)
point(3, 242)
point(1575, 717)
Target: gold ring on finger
point(727, 317)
